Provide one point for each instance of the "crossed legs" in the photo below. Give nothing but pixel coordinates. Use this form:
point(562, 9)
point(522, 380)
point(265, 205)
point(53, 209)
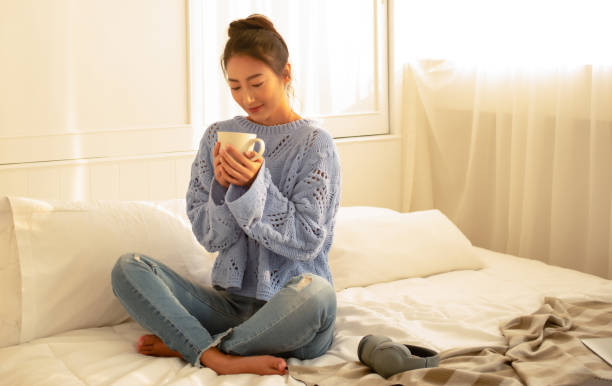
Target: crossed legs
point(227, 333)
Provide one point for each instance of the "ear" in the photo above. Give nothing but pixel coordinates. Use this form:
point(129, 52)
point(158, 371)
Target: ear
point(286, 74)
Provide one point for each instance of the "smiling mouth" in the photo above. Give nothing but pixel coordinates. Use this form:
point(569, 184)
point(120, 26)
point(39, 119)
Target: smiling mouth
point(255, 109)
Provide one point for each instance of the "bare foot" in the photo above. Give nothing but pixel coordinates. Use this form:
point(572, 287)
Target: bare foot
point(153, 345)
point(223, 363)
point(218, 361)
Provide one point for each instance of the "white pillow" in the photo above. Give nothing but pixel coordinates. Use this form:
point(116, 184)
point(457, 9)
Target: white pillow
point(373, 245)
point(65, 253)
point(10, 279)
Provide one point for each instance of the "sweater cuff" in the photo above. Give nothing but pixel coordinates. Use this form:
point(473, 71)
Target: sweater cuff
point(217, 193)
point(217, 201)
point(247, 205)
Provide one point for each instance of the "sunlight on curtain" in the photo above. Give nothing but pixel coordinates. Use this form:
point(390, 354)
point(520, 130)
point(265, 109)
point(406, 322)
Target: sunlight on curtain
point(334, 66)
point(507, 119)
point(502, 33)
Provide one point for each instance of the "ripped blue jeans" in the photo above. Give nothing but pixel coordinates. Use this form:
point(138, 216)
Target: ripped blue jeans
point(297, 321)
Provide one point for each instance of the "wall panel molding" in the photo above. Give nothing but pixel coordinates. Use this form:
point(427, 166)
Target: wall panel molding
point(95, 144)
point(166, 176)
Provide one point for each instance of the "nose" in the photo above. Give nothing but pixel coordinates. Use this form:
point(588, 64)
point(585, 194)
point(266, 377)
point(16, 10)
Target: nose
point(248, 97)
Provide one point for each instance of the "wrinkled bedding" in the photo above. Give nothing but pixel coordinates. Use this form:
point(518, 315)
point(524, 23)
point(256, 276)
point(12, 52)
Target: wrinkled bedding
point(444, 311)
point(543, 348)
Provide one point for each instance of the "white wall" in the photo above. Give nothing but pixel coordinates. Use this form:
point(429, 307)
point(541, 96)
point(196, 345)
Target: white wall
point(84, 79)
point(95, 104)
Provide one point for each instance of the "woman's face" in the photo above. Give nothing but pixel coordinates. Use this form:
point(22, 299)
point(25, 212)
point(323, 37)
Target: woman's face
point(258, 90)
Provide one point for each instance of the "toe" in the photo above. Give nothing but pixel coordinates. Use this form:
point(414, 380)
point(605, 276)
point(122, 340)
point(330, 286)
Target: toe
point(149, 339)
point(278, 366)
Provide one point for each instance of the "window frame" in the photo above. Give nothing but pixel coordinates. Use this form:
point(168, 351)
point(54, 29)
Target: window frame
point(340, 125)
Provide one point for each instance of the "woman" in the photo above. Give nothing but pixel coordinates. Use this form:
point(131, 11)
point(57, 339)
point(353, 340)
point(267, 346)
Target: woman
point(271, 221)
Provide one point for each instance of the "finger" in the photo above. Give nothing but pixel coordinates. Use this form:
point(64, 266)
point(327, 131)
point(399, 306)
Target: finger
point(233, 180)
point(252, 162)
point(222, 178)
point(233, 151)
point(221, 181)
point(219, 159)
point(216, 150)
point(222, 172)
point(234, 164)
point(239, 157)
point(231, 172)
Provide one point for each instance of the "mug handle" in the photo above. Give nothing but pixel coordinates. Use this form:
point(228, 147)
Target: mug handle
point(262, 148)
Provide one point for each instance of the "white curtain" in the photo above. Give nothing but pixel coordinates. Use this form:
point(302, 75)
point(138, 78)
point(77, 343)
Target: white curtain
point(507, 124)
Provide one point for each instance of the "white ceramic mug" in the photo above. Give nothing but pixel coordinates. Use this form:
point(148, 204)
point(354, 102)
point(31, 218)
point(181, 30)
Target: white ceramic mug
point(242, 141)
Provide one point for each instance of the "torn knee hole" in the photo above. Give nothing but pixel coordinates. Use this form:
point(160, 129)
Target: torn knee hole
point(303, 282)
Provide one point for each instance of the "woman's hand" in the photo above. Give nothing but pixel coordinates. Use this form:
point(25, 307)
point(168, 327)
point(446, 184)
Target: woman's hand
point(238, 169)
point(219, 172)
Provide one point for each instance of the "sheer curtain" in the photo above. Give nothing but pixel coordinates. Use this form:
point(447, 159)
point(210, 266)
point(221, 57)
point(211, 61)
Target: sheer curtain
point(506, 113)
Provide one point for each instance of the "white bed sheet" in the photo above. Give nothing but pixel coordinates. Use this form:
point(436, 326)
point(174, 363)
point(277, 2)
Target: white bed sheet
point(455, 309)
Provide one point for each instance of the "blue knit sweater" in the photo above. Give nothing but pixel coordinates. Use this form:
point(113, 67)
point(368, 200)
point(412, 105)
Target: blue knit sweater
point(282, 225)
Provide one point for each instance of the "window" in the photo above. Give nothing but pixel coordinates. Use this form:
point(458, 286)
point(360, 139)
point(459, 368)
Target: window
point(337, 50)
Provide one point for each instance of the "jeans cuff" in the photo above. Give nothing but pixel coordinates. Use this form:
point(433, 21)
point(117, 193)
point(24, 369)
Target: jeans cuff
point(215, 342)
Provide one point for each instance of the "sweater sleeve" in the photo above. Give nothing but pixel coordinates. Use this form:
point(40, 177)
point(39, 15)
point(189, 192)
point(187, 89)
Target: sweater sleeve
point(296, 226)
point(211, 221)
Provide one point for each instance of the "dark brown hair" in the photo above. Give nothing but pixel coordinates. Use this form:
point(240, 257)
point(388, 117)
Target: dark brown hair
point(256, 37)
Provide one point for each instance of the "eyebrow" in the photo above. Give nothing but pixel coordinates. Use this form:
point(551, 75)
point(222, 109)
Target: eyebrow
point(249, 78)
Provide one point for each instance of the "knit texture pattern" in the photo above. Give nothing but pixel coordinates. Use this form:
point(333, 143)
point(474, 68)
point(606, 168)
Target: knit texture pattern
point(283, 224)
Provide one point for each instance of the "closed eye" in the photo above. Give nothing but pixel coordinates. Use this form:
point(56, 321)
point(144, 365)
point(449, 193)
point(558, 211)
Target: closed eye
point(236, 88)
point(258, 84)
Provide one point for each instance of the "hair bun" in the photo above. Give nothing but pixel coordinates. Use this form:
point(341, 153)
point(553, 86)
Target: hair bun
point(256, 37)
point(253, 22)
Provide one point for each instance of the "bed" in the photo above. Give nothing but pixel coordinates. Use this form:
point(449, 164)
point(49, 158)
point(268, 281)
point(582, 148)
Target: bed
point(411, 276)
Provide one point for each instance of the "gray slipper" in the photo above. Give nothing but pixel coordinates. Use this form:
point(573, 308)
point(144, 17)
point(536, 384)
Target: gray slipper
point(387, 358)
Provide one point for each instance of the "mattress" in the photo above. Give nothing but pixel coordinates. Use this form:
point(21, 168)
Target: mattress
point(449, 310)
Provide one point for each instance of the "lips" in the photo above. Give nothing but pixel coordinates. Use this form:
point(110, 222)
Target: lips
point(255, 109)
